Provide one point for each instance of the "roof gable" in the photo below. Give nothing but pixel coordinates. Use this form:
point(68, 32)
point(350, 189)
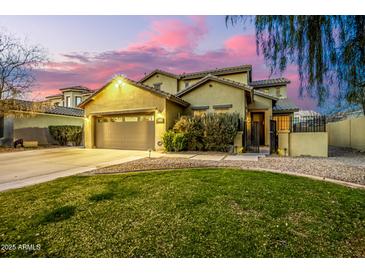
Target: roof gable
point(207, 78)
point(161, 93)
point(270, 82)
point(217, 71)
point(158, 71)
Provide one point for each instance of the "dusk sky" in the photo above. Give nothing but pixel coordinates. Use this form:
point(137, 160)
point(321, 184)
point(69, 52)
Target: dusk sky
point(90, 50)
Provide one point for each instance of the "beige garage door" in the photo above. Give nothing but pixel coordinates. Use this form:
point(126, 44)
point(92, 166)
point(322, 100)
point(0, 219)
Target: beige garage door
point(132, 131)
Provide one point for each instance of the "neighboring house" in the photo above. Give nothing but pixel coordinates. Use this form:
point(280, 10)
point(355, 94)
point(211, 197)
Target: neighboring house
point(31, 123)
point(126, 114)
point(70, 96)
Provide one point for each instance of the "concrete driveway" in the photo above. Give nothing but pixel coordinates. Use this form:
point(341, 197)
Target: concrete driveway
point(19, 169)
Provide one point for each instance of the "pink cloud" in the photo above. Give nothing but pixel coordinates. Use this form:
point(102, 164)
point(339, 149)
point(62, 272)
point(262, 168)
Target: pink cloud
point(173, 34)
point(167, 44)
point(241, 45)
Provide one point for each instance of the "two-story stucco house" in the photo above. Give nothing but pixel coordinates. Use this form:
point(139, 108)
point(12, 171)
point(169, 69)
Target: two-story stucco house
point(126, 114)
point(70, 96)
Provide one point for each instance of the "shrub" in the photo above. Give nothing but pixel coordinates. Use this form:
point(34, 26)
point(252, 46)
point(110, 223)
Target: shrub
point(220, 130)
point(180, 141)
point(193, 128)
point(66, 134)
point(168, 140)
point(212, 132)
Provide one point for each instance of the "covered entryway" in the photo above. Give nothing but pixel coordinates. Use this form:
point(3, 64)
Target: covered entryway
point(125, 131)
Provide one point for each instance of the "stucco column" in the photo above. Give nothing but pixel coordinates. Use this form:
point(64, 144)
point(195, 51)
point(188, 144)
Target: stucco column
point(89, 131)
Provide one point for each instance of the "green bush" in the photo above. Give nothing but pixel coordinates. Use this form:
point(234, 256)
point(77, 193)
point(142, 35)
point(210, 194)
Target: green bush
point(212, 132)
point(180, 141)
point(168, 140)
point(220, 130)
point(193, 128)
point(66, 134)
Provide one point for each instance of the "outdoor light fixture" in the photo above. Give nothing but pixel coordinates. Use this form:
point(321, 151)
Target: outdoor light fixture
point(119, 83)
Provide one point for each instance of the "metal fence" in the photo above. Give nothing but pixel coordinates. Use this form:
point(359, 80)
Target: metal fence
point(315, 123)
point(1, 126)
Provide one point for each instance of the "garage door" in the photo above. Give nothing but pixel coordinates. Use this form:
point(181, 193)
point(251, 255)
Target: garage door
point(132, 131)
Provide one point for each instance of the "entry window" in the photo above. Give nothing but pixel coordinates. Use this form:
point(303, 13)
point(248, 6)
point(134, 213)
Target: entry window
point(78, 100)
point(68, 101)
point(282, 122)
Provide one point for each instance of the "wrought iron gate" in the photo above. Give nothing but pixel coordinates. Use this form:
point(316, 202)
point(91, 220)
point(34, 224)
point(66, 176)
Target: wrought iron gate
point(273, 137)
point(252, 137)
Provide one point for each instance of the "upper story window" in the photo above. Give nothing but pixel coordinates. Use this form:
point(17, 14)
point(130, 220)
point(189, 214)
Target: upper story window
point(186, 84)
point(68, 101)
point(78, 100)
point(278, 91)
point(157, 86)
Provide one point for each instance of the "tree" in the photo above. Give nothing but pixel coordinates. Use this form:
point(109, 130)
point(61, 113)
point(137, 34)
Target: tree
point(18, 61)
point(357, 96)
point(327, 50)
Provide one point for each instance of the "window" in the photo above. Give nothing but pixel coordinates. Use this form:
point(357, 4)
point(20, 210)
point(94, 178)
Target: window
point(1, 126)
point(68, 101)
point(131, 119)
point(78, 100)
point(157, 86)
point(56, 104)
point(186, 84)
point(282, 122)
point(278, 91)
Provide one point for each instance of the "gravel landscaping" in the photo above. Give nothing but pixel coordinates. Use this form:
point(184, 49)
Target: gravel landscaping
point(344, 165)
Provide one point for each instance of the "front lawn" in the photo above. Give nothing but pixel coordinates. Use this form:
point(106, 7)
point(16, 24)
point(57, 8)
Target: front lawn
point(184, 213)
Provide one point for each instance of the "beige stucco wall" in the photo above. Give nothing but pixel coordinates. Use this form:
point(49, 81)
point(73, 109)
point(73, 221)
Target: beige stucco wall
point(262, 104)
point(169, 84)
point(217, 94)
point(347, 133)
point(283, 143)
point(127, 97)
point(238, 77)
point(35, 127)
point(308, 143)
point(173, 112)
point(181, 83)
point(272, 91)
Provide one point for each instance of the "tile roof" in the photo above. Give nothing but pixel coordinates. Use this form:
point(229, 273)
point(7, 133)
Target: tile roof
point(160, 72)
point(77, 88)
point(269, 82)
point(167, 95)
point(217, 71)
point(210, 77)
point(284, 105)
point(66, 111)
point(263, 94)
point(198, 74)
point(41, 107)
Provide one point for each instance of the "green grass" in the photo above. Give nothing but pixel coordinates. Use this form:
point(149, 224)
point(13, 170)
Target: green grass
point(185, 213)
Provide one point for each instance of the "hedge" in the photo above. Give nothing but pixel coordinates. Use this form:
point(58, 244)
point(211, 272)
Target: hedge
point(210, 132)
point(66, 134)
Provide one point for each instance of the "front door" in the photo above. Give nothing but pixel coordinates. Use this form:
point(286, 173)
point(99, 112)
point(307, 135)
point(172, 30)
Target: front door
point(258, 118)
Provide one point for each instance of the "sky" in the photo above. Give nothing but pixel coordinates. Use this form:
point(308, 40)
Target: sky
point(90, 50)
